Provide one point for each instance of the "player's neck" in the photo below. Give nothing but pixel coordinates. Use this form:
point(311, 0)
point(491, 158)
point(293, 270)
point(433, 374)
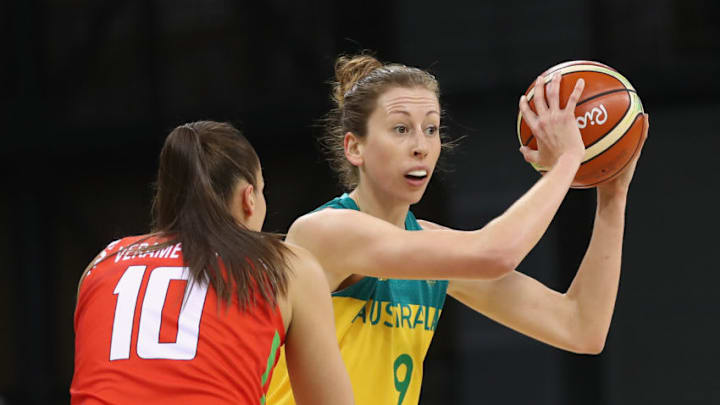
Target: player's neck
point(379, 206)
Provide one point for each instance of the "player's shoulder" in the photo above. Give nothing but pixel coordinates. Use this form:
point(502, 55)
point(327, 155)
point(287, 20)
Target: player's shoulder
point(115, 245)
point(119, 245)
point(331, 217)
point(91, 269)
point(325, 221)
point(431, 226)
point(298, 253)
point(303, 265)
point(299, 256)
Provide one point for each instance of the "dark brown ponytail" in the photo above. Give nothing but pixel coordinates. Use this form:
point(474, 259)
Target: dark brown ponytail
point(200, 165)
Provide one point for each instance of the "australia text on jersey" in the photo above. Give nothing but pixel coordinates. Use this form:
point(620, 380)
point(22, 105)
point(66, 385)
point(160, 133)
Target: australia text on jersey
point(399, 315)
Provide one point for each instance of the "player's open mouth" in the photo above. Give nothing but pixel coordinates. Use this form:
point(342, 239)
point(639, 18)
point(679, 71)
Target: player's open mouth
point(416, 175)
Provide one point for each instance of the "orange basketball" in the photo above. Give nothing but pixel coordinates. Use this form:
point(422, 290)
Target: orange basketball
point(608, 113)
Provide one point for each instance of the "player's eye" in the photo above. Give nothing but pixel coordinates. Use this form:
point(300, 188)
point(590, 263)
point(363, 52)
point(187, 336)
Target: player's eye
point(401, 129)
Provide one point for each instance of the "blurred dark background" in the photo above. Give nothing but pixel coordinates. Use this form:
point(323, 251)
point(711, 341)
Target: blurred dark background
point(90, 89)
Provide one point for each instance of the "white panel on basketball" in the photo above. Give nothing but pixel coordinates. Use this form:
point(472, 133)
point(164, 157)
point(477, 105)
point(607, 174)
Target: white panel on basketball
point(616, 133)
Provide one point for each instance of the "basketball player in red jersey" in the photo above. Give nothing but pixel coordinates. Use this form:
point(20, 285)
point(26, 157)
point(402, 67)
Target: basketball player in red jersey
point(196, 311)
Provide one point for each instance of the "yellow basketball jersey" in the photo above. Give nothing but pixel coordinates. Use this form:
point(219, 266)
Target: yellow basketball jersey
point(384, 328)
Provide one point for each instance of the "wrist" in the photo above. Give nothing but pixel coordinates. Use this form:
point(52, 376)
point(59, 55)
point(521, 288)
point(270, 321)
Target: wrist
point(611, 192)
point(571, 157)
point(569, 162)
point(616, 199)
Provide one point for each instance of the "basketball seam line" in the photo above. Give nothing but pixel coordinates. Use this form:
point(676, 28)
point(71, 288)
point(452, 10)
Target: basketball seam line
point(599, 154)
point(613, 144)
point(604, 94)
point(609, 131)
point(626, 164)
point(581, 71)
point(530, 138)
point(591, 63)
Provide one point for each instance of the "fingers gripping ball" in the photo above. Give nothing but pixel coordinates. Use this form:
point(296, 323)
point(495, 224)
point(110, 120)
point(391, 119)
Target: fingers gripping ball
point(608, 114)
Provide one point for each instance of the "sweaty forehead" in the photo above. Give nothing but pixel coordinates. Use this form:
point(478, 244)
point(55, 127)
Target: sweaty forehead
point(401, 99)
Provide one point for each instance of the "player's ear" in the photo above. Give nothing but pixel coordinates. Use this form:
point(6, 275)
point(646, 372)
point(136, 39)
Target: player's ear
point(353, 149)
point(248, 200)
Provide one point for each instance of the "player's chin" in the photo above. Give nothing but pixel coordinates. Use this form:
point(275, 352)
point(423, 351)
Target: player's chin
point(414, 195)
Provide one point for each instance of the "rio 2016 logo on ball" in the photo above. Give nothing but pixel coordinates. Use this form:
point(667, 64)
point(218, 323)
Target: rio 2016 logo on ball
point(609, 115)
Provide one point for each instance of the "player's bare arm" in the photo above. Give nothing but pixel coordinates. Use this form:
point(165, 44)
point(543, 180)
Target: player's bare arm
point(579, 319)
point(317, 372)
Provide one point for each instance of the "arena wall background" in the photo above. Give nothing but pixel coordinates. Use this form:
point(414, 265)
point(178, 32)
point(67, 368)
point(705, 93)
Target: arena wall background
point(90, 89)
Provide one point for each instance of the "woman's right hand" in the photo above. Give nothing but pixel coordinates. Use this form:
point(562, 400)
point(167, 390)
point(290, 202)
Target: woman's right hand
point(554, 128)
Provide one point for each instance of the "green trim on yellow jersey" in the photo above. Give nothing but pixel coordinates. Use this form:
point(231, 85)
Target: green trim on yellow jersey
point(384, 328)
point(346, 202)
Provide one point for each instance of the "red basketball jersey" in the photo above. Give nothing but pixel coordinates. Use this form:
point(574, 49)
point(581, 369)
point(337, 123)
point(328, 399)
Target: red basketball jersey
point(141, 338)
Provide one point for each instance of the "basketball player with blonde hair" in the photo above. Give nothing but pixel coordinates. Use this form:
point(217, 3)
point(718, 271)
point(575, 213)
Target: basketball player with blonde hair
point(389, 281)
